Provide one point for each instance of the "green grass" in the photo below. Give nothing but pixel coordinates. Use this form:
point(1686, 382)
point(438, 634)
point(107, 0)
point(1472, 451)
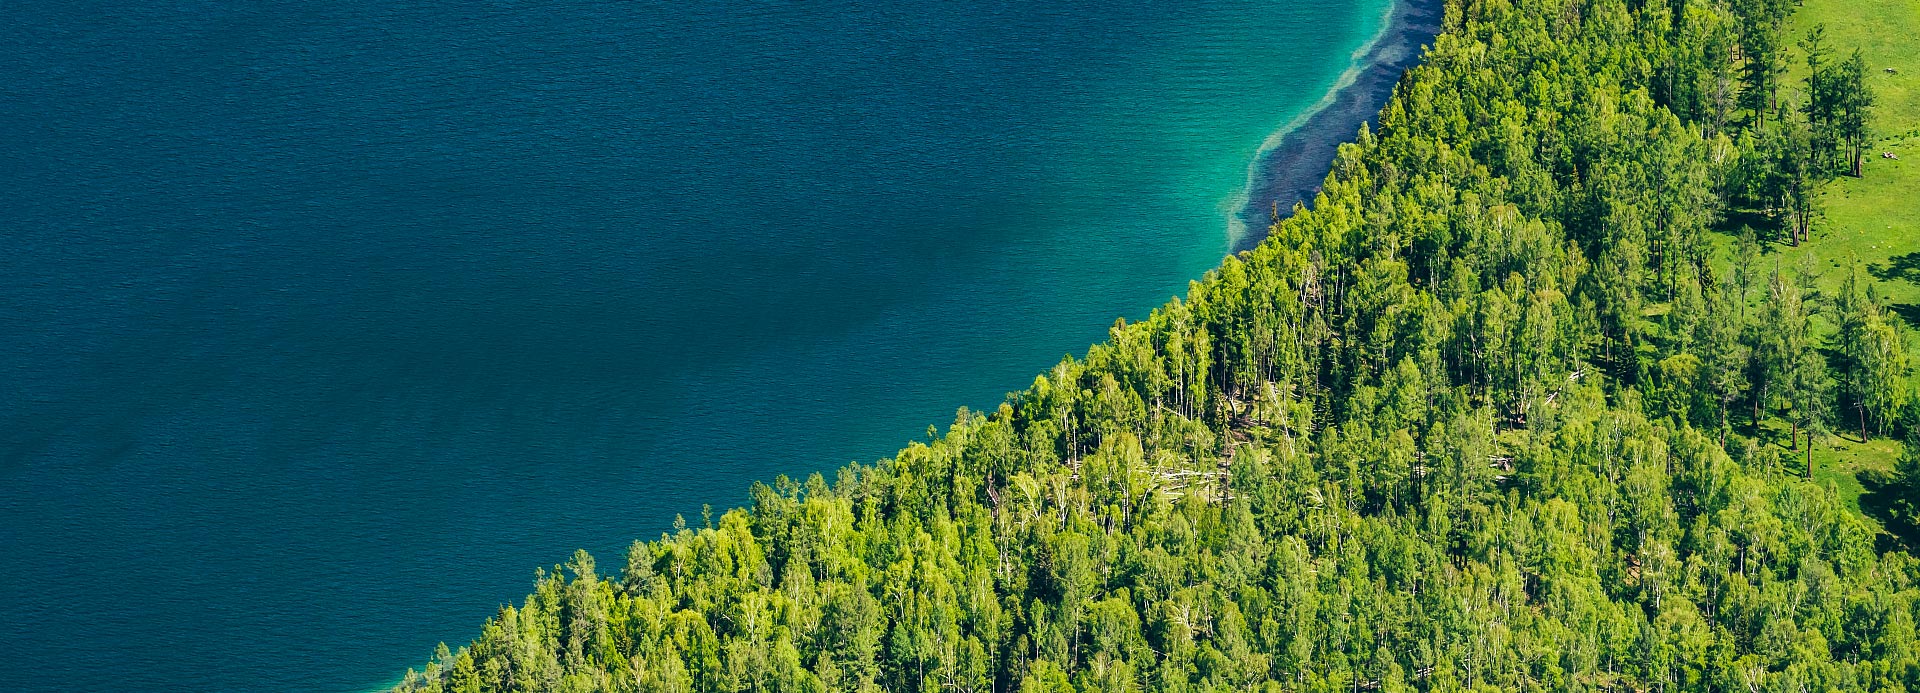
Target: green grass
point(1841, 461)
point(1883, 30)
point(1874, 220)
point(1847, 464)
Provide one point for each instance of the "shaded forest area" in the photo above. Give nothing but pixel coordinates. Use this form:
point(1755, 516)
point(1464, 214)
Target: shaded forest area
point(1488, 416)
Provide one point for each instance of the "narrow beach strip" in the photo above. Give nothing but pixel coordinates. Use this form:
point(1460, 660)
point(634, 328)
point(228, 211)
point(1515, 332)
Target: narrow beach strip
point(1293, 161)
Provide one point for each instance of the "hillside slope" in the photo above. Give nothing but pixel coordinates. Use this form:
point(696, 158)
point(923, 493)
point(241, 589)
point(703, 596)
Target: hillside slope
point(1873, 220)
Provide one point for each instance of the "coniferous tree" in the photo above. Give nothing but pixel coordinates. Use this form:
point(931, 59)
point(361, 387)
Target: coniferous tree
point(1795, 176)
point(1762, 64)
point(1853, 103)
point(1723, 354)
point(1822, 106)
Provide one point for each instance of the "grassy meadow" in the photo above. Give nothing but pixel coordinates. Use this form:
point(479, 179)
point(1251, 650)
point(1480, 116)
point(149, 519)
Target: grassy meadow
point(1873, 220)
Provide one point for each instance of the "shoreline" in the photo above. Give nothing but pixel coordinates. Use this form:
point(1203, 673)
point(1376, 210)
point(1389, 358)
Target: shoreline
point(1294, 161)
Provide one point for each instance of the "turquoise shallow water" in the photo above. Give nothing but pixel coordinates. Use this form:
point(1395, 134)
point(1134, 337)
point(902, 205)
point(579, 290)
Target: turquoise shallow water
point(326, 322)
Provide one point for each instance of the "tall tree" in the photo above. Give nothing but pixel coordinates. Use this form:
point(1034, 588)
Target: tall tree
point(1761, 66)
point(1873, 354)
point(1853, 103)
point(1809, 397)
point(1795, 176)
point(1821, 108)
point(1724, 357)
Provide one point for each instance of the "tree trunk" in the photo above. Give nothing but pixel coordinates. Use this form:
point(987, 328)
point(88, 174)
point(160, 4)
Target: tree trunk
point(1863, 421)
point(1809, 455)
point(1723, 421)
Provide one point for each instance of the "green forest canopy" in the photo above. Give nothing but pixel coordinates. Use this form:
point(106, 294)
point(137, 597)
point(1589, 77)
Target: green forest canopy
point(1489, 416)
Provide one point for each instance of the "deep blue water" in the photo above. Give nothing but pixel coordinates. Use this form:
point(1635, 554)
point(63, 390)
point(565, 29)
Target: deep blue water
point(325, 322)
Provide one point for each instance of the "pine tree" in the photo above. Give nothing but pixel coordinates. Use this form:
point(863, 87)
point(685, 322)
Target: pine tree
point(1853, 103)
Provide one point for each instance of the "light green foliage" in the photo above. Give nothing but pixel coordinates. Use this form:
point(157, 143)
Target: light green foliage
point(1461, 426)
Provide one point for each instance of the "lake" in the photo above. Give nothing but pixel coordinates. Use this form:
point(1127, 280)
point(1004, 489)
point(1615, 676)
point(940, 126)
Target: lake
point(327, 322)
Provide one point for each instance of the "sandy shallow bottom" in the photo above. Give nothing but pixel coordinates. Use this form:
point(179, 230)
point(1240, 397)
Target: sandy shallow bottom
point(1292, 166)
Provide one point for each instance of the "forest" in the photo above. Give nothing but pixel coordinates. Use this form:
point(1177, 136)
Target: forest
point(1519, 402)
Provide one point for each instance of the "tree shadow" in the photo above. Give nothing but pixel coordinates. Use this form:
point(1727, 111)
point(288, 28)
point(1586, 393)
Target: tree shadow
point(1878, 503)
point(1910, 312)
point(1768, 230)
point(1901, 267)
